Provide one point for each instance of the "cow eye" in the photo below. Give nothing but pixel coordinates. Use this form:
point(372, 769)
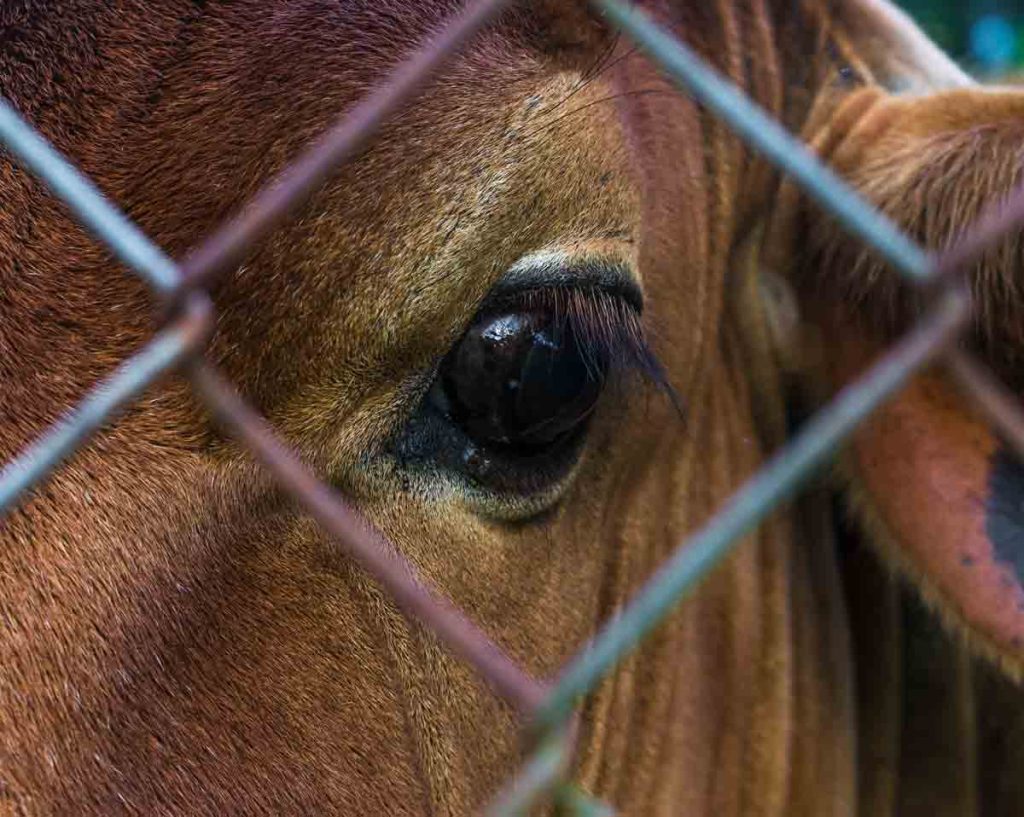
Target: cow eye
point(522, 379)
point(507, 414)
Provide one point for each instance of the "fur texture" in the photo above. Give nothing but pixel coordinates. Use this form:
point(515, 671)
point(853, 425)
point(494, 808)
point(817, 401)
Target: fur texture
point(920, 475)
point(177, 639)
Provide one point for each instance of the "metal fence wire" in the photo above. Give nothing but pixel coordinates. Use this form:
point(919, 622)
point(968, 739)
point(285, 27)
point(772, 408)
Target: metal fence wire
point(547, 709)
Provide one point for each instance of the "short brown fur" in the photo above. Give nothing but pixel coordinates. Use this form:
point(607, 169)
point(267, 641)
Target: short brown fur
point(178, 639)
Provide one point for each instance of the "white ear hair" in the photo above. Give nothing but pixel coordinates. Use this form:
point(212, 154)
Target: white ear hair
point(900, 55)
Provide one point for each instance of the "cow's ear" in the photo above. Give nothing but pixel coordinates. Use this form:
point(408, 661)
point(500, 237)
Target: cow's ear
point(890, 48)
point(936, 489)
point(942, 499)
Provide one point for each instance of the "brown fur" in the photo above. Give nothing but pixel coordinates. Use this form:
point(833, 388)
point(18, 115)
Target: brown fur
point(932, 165)
point(177, 639)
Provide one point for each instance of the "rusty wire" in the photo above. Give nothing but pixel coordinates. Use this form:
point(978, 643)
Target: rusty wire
point(181, 342)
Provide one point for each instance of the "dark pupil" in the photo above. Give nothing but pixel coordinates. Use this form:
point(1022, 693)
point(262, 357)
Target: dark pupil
point(521, 379)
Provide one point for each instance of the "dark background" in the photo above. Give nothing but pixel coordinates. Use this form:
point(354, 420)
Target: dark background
point(986, 36)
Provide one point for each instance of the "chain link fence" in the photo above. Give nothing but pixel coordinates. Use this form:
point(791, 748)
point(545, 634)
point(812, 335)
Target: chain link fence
point(547, 708)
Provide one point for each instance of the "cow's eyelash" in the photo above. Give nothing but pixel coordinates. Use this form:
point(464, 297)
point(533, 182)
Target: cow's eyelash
point(608, 329)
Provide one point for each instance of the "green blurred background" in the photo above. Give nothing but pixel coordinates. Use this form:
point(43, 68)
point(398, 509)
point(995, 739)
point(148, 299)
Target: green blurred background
point(986, 36)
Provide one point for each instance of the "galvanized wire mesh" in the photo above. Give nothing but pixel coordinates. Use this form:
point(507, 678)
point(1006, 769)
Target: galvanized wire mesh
point(546, 708)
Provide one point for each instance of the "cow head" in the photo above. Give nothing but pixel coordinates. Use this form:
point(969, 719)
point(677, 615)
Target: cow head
point(502, 331)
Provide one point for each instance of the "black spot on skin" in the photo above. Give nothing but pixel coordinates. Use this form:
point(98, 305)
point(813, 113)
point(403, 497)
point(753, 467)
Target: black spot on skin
point(605, 178)
point(967, 561)
point(1004, 512)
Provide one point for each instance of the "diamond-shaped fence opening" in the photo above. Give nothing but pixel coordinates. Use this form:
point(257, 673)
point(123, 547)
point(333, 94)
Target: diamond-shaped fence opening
point(547, 709)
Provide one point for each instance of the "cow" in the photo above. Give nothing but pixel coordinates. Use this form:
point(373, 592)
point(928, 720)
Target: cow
point(537, 332)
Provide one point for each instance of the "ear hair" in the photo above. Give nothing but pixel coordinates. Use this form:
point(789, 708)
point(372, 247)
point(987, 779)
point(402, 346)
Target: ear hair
point(934, 186)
